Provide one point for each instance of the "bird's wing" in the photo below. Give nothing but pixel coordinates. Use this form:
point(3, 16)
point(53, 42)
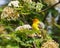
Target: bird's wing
point(41, 25)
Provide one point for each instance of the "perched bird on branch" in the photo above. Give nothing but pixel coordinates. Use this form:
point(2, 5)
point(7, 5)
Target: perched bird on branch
point(37, 24)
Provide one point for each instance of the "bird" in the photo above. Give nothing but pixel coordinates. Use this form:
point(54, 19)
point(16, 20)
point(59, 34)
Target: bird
point(37, 24)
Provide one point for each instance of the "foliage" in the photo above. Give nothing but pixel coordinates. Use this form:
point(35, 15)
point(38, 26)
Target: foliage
point(25, 38)
point(21, 39)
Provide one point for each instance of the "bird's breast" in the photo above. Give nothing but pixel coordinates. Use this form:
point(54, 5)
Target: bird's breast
point(35, 26)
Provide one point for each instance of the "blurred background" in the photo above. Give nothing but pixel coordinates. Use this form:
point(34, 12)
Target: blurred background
point(4, 2)
point(53, 30)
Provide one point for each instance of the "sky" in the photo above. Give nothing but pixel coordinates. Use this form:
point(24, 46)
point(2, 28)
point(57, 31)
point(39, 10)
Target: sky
point(2, 2)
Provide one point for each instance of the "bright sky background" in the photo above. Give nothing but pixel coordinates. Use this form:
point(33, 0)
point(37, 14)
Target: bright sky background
point(2, 2)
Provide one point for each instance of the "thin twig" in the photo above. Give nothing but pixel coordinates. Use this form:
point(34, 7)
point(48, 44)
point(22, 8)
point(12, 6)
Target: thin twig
point(49, 8)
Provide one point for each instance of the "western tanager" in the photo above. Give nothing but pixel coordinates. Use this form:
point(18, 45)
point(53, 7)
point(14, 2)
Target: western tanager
point(37, 24)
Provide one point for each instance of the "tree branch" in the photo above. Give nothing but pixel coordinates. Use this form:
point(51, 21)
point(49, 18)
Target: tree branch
point(49, 8)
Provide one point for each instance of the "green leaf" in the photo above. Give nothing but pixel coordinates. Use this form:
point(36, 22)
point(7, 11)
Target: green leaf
point(1, 9)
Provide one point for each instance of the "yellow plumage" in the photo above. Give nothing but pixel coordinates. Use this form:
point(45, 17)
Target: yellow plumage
point(37, 25)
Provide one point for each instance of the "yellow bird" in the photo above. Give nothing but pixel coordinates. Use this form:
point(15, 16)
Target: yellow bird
point(37, 25)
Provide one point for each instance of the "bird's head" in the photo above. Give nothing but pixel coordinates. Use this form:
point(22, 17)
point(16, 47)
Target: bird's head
point(39, 23)
point(35, 20)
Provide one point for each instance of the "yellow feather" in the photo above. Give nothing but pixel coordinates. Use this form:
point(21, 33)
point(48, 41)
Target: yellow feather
point(35, 24)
